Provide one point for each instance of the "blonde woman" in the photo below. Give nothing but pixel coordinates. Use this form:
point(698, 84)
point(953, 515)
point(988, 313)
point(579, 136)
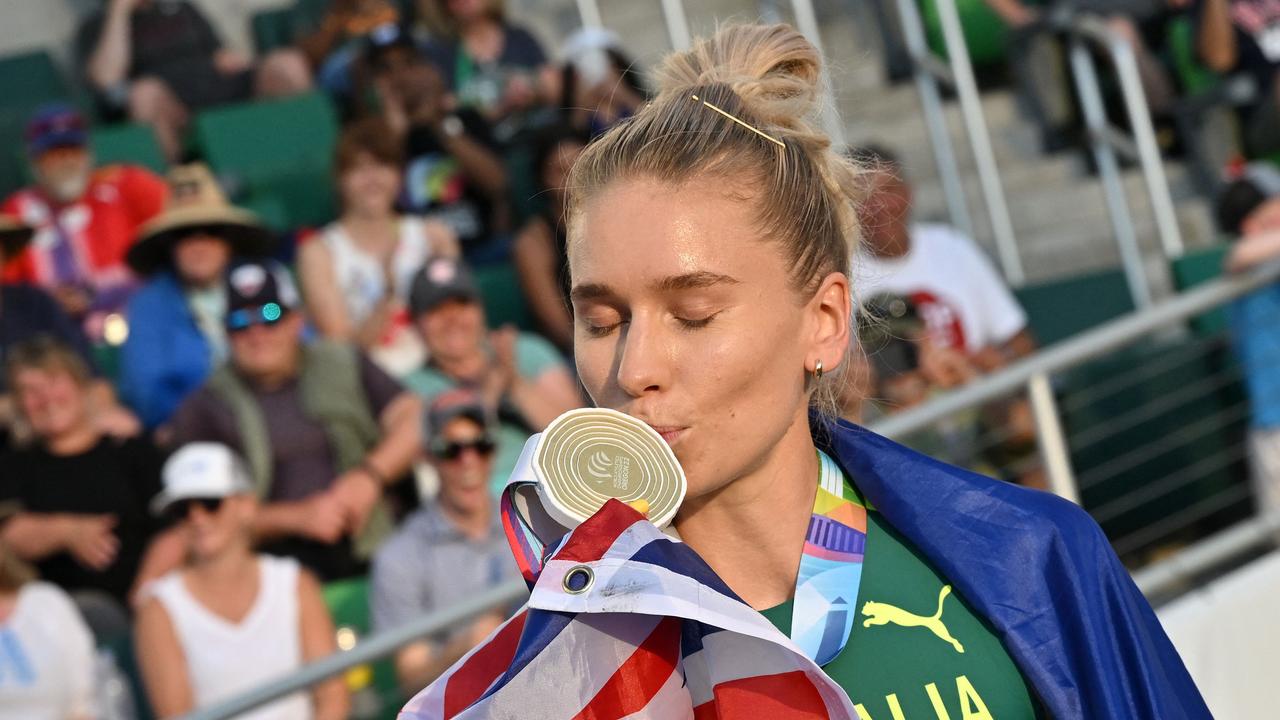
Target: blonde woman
point(709, 240)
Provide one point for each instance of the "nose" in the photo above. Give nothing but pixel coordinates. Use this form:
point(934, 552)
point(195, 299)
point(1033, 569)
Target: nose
point(642, 357)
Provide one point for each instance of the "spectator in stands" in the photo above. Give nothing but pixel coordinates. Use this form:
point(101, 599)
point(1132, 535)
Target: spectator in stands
point(28, 312)
point(176, 333)
point(158, 61)
point(1249, 209)
point(46, 651)
point(539, 251)
point(520, 377)
point(356, 273)
point(85, 219)
point(83, 495)
point(324, 430)
point(965, 304)
point(453, 171)
point(334, 47)
point(598, 84)
point(488, 63)
point(971, 319)
point(1241, 36)
point(1039, 64)
point(229, 618)
point(450, 549)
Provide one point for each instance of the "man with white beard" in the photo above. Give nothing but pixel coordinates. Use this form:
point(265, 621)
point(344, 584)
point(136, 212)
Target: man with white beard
point(85, 219)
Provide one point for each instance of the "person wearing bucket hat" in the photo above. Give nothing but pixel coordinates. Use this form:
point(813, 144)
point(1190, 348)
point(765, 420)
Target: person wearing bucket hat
point(451, 548)
point(323, 429)
point(521, 377)
point(275, 606)
point(176, 332)
point(85, 219)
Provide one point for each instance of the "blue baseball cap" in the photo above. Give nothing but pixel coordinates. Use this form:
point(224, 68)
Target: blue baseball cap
point(53, 126)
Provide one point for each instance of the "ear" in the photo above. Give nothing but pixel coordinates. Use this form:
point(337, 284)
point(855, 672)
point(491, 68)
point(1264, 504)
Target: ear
point(829, 314)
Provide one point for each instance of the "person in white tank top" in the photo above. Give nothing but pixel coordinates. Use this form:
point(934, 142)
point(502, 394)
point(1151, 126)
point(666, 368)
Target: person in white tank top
point(229, 618)
point(356, 273)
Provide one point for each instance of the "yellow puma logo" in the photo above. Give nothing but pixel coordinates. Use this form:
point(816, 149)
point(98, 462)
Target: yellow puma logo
point(882, 614)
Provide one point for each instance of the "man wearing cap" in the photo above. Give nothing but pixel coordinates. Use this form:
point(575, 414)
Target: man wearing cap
point(176, 331)
point(519, 376)
point(27, 312)
point(324, 431)
point(448, 550)
point(84, 219)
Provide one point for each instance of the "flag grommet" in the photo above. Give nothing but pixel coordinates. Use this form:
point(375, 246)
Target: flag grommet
point(578, 580)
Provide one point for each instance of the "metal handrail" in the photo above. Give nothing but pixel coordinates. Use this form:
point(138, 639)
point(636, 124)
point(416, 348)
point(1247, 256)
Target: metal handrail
point(366, 651)
point(1085, 346)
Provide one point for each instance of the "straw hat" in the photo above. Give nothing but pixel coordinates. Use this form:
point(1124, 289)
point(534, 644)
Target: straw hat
point(14, 236)
point(196, 203)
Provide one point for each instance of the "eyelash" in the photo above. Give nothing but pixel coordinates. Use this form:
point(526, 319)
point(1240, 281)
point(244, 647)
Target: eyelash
point(685, 324)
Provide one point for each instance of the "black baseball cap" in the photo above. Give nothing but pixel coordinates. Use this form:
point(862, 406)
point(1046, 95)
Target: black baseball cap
point(260, 284)
point(456, 403)
point(440, 280)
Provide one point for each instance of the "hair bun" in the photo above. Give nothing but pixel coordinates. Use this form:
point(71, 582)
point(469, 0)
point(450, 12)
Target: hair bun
point(773, 69)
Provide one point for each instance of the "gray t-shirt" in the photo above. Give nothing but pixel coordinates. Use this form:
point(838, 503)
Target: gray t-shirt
point(429, 564)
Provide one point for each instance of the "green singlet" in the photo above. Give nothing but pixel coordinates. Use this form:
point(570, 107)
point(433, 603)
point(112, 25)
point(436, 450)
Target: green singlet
point(904, 660)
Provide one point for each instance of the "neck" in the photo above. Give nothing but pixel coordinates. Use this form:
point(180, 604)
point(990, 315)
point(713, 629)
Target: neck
point(893, 247)
point(465, 367)
point(75, 440)
point(226, 567)
point(367, 219)
point(473, 523)
point(751, 531)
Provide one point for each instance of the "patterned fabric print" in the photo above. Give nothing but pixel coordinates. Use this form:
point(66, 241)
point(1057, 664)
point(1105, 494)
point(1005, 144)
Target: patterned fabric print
point(831, 567)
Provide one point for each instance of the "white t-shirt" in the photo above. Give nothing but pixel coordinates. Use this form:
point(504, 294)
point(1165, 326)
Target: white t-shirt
point(960, 297)
point(225, 659)
point(46, 658)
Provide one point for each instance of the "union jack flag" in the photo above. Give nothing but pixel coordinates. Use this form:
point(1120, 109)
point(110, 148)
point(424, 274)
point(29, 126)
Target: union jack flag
point(626, 622)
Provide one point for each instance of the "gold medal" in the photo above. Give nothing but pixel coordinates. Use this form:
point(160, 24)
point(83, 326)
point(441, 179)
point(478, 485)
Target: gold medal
point(585, 457)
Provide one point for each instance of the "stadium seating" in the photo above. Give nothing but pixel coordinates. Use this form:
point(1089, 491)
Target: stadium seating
point(27, 80)
point(1059, 309)
point(503, 298)
point(128, 143)
point(1197, 267)
point(348, 603)
point(281, 149)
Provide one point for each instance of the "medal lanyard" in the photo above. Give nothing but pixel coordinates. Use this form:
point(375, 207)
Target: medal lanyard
point(830, 573)
point(826, 596)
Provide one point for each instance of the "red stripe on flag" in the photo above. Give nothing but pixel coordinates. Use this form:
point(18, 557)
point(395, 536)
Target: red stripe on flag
point(592, 538)
point(786, 696)
point(469, 682)
point(638, 679)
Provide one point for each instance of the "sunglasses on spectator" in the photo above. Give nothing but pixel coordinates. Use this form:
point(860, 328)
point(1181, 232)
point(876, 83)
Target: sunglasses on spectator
point(181, 509)
point(482, 446)
point(269, 314)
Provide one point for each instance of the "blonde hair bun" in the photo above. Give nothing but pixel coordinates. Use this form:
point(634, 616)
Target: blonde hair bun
point(774, 70)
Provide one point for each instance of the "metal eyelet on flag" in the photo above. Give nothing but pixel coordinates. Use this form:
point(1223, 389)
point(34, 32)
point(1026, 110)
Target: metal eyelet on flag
point(578, 580)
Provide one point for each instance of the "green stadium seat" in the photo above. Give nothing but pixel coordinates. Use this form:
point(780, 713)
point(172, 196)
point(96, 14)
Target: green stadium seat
point(131, 143)
point(1059, 309)
point(30, 79)
point(348, 603)
point(984, 32)
point(503, 297)
point(272, 29)
point(282, 148)
point(1195, 268)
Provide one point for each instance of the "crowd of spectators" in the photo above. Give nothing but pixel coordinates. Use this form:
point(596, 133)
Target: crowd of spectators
point(334, 402)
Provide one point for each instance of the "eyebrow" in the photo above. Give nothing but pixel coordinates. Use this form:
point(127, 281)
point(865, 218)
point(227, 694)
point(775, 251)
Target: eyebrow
point(673, 283)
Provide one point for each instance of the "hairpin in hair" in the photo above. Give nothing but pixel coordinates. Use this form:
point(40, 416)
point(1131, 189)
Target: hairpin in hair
point(753, 129)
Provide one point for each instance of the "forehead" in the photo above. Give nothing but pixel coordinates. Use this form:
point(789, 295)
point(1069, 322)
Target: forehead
point(463, 427)
point(643, 230)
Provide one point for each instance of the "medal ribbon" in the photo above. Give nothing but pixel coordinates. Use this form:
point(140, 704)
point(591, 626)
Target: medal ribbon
point(830, 567)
